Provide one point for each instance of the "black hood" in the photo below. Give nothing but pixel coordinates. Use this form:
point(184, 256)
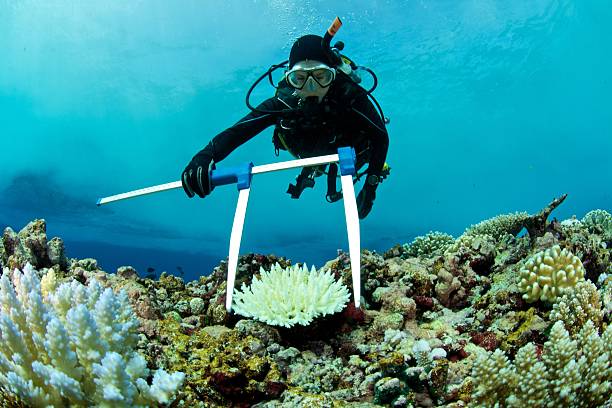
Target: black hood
point(308, 47)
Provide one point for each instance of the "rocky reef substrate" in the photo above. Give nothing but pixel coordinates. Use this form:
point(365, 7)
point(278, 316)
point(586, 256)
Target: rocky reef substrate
point(429, 309)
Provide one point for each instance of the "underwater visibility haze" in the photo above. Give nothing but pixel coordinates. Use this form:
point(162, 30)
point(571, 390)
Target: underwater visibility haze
point(485, 275)
point(495, 107)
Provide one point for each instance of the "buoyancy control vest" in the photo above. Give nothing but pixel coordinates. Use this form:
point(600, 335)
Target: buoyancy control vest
point(310, 132)
point(318, 130)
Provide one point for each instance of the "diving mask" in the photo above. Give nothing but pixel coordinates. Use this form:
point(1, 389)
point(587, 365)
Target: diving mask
point(308, 73)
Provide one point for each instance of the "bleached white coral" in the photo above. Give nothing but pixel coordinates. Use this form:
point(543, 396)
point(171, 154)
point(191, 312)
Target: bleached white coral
point(74, 345)
point(288, 296)
point(549, 274)
point(48, 283)
point(573, 372)
point(572, 222)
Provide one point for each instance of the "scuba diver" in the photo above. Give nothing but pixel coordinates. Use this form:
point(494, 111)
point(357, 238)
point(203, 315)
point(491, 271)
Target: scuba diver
point(318, 107)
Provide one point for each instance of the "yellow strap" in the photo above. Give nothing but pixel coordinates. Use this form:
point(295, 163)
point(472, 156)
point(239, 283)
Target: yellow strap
point(282, 140)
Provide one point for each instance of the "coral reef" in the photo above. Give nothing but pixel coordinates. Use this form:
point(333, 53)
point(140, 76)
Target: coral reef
point(441, 326)
point(578, 306)
point(599, 222)
point(550, 273)
point(573, 372)
point(499, 225)
point(30, 245)
point(73, 344)
point(288, 296)
point(433, 243)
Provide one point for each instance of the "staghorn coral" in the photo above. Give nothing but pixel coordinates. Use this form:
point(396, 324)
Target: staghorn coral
point(576, 307)
point(493, 377)
point(500, 225)
point(75, 345)
point(557, 380)
point(549, 274)
point(433, 243)
point(289, 296)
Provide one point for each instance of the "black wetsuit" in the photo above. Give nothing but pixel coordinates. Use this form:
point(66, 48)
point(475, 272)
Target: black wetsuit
point(345, 117)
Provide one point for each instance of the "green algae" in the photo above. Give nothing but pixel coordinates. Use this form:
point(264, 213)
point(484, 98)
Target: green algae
point(392, 365)
point(219, 367)
point(438, 376)
point(521, 335)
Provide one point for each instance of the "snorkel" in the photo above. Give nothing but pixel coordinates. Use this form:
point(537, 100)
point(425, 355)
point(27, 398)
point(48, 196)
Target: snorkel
point(311, 95)
point(340, 62)
point(326, 42)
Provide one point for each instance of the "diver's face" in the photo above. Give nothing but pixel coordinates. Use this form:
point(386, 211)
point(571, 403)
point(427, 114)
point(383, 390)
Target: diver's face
point(312, 89)
point(310, 79)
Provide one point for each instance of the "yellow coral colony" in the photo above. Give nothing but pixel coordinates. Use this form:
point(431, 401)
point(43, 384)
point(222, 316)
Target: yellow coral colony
point(550, 273)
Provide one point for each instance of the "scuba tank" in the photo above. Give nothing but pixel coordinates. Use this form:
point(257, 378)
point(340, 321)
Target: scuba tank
point(347, 66)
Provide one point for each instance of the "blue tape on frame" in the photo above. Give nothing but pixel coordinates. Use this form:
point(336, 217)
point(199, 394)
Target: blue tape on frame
point(347, 158)
point(241, 175)
point(244, 176)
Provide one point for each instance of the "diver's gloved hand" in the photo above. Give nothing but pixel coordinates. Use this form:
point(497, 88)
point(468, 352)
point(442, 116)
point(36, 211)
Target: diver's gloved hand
point(365, 200)
point(195, 177)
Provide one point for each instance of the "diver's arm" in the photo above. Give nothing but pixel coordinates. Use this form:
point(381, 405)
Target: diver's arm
point(369, 120)
point(195, 178)
point(242, 131)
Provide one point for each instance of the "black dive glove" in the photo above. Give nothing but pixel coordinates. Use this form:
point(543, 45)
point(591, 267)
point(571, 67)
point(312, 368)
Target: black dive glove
point(195, 177)
point(366, 197)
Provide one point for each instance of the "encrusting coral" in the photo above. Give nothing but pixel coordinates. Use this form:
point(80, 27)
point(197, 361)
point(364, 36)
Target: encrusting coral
point(550, 273)
point(73, 345)
point(289, 296)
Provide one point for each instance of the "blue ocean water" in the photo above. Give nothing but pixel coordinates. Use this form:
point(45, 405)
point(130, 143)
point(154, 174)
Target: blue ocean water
point(495, 107)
